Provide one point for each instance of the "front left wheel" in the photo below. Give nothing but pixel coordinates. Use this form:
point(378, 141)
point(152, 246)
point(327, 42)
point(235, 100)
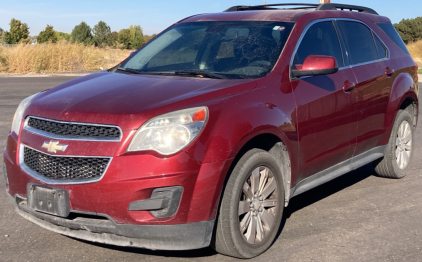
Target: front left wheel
point(251, 207)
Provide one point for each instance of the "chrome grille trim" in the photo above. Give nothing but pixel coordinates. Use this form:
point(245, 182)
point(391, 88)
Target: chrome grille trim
point(43, 179)
point(73, 138)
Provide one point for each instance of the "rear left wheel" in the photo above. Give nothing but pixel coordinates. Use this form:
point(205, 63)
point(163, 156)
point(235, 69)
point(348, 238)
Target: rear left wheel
point(251, 206)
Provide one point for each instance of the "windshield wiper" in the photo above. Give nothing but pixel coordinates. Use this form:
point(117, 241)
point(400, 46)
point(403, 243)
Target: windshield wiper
point(178, 72)
point(130, 70)
point(199, 73)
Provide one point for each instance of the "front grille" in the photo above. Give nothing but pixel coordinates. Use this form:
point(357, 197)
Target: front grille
point(74, 130)
point(64, 168)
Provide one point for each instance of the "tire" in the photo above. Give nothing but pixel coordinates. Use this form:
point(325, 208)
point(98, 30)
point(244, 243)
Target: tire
point(263, 210)
point(399, 151)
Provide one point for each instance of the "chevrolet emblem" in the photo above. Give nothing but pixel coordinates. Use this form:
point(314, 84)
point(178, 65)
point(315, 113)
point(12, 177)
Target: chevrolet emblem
point(54, 146)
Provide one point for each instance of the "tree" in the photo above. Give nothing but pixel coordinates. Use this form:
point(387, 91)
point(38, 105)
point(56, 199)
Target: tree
point(47, 35)
point(410, 30)
point(82, 34)
point(136, 36)
point(1, 35)
point(62, 36)
point(124, 38)
point(101, 32)
point(19, 32)
point(113, 38)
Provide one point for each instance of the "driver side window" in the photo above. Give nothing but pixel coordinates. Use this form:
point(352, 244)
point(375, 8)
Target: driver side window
point(320, 39)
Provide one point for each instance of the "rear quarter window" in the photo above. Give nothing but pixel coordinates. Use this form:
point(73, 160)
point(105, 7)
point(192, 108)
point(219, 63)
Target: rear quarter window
point(389, 29)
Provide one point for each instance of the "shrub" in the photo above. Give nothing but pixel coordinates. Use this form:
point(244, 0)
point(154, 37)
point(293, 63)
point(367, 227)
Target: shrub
point(410, 30)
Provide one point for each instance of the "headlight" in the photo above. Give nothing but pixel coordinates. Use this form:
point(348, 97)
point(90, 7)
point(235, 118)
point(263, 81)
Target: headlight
point(170, 133)
point(17, 119)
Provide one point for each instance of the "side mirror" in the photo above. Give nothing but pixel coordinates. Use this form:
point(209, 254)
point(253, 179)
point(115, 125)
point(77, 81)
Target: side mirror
point(316, 65)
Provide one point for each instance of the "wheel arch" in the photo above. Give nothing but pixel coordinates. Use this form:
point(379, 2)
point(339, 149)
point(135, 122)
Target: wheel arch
point(402, 95)
point(276, 145)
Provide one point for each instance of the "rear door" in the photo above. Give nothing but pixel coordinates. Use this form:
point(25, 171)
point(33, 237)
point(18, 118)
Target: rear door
point(326, 114)
point(367, 55)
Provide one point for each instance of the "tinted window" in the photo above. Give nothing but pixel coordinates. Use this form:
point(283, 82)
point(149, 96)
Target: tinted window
point(389, 29)
point(360, 42)
point(382, 51)
point(320, 39)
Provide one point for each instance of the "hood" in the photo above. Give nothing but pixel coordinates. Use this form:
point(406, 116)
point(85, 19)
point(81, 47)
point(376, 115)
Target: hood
point(129, 100)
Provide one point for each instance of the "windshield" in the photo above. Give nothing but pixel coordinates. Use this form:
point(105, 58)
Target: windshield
point(221, 49)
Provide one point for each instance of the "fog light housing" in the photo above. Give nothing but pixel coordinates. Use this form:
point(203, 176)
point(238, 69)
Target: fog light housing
point(164, 202)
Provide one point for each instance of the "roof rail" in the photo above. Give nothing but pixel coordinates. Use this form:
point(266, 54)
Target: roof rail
point(328, 6)
point(332, 6)
point(268, 7)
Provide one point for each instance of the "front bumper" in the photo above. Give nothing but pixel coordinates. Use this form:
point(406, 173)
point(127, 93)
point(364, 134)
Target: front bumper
point(102, 229)
point(132, 178)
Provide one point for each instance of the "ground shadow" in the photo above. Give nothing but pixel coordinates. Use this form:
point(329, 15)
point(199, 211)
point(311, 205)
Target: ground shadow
point(197, 253)
point(334, 186)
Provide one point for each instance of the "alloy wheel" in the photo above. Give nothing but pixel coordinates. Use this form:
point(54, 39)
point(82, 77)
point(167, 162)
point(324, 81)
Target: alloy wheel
point(258, 205)
point(403, 145)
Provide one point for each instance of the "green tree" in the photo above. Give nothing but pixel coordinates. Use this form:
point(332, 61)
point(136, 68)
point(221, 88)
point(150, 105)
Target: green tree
point(101, 33)
point(62, 36)
point(82, 34)
point(1, 35)
point(19, 32)
point(47, 35)
point(136, 36)
point(410, 30)
point(125, 39)
point(113, 39)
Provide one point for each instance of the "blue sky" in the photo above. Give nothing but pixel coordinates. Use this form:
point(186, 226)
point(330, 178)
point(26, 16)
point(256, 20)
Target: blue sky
point(153, 16)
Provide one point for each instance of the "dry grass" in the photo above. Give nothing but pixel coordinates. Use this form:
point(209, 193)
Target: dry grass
point(415, 50)
point(60, 57)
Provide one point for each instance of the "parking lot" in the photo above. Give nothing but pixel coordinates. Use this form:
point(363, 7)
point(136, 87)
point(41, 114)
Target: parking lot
point(357, 217)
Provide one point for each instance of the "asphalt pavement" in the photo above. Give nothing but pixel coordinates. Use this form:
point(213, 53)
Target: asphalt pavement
point(357, 217)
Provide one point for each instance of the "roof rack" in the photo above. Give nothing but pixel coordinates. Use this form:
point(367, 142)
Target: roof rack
point(332, 6)
point(328, 6)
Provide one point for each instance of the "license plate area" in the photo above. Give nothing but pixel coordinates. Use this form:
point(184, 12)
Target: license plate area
point(54, 201)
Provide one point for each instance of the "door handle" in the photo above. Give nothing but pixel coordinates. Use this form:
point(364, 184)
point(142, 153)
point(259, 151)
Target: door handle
point(389, 71)
point(348, 86)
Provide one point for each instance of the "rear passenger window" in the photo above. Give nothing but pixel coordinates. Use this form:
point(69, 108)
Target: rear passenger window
point(320, 39)
point(382, 51)
point(360, 42)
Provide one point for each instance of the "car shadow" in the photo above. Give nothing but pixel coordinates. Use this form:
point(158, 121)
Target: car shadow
point(197, 253)
point(297, 203)
point(323, 191)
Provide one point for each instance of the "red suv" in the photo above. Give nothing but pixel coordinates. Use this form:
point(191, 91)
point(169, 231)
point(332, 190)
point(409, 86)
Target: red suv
point(203, 136)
